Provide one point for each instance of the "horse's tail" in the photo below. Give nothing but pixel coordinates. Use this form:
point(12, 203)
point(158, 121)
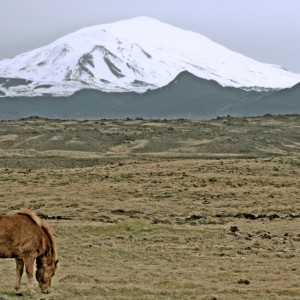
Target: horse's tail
point(31, 215)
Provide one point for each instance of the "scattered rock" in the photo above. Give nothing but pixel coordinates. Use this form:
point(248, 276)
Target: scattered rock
point(193, 218)
point(47, 217)
point(244, 281)
point(234, 229)
point(122, 212)
point(248, 216)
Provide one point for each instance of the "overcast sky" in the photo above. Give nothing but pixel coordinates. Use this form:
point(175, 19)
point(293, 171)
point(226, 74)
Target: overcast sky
point(266, 30)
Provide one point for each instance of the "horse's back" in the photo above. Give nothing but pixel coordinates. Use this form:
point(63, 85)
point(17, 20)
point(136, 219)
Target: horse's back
point(18, 235)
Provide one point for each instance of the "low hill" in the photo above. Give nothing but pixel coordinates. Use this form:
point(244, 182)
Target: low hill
point(187, 96)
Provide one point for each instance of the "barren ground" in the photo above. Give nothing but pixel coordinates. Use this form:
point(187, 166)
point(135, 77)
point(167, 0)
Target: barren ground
point(147, 209)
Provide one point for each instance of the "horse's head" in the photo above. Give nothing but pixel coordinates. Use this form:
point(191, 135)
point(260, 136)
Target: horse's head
point(44, 273)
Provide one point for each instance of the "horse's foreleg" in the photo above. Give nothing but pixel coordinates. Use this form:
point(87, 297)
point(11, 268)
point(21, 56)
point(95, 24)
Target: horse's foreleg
point(19, 273)
point(29, 262)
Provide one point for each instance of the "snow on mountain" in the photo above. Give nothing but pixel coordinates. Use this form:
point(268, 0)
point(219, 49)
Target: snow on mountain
point(133, 55)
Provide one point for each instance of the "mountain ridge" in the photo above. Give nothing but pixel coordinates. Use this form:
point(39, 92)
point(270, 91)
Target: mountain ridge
point(187, 96)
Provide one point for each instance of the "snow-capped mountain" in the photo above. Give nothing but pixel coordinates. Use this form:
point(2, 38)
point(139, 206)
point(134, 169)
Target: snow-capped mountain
point(132, 55)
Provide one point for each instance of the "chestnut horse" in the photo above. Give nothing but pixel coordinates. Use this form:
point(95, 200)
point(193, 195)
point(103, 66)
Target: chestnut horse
point(26, 238)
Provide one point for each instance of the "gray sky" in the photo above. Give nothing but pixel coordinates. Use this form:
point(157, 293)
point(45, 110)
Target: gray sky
point(266, 30)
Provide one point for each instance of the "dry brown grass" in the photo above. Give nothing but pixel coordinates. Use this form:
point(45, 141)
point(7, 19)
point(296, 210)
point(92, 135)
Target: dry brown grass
point(153, 222)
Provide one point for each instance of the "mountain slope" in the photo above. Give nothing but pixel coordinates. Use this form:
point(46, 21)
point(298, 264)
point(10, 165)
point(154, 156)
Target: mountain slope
point(132, 55)
point(187, 96)
point(286, 101)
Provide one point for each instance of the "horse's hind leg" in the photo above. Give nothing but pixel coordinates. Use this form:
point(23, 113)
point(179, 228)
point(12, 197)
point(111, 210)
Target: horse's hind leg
point(19, 273)
point(29, 262)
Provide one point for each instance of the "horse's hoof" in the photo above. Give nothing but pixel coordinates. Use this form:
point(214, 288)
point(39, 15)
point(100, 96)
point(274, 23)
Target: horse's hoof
point(19, 293)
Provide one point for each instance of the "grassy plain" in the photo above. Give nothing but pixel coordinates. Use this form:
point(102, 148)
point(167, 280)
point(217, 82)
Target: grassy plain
point(149, 209)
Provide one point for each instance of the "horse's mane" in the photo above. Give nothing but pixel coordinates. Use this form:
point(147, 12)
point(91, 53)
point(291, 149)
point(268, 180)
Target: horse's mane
point(47, 230)
point(44, 226)
point(31, 215)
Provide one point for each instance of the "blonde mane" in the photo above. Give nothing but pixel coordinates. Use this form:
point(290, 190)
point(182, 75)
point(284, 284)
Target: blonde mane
point(45, 227)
